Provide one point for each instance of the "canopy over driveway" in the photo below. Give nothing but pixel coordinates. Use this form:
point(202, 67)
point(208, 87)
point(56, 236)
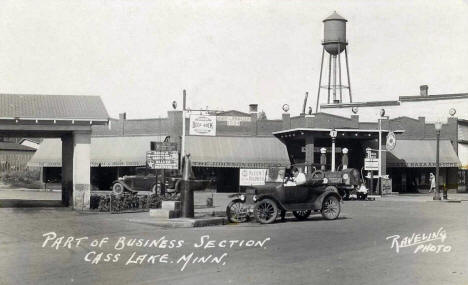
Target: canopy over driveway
point(66, 117)
point(105, 151)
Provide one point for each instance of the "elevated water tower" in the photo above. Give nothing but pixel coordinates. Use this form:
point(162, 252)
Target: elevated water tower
point(334, 43)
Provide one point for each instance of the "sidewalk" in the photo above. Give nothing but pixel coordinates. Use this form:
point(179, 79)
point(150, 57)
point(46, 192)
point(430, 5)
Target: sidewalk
point(220, 202)
point(410, 197)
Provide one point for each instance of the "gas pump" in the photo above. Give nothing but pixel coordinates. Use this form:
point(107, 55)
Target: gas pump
point(371, 164)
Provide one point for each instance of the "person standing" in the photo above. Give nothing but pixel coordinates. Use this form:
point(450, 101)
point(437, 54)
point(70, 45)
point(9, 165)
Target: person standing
point(432, 180)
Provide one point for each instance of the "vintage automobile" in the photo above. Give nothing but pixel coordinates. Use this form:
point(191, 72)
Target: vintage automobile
point(143, 180)
point(347, 181)
point(269, 201)
point(146, 180)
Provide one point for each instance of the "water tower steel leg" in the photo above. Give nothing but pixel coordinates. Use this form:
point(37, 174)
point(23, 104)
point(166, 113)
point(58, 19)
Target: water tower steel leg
point(339, 74)
point(320, 81)
point(329, 77)
point(334, 78)
point(347, 71)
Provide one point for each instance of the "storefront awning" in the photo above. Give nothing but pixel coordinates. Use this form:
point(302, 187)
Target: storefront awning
point(422, 153)
point(241, 152)
point(105, 151)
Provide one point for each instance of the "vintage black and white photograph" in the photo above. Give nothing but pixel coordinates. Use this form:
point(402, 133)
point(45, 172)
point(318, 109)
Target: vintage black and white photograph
point(234, 142)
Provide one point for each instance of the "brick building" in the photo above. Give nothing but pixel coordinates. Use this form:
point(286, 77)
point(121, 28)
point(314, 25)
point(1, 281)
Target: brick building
point(245, 140)
point(417, 114)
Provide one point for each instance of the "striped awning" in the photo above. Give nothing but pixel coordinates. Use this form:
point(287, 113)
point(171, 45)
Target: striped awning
point(237, 152)
point(105, 151)
point(422, 153)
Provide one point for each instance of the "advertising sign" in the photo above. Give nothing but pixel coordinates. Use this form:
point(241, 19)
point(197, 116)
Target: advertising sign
point(391, 141)
point(202, 125)
point(386, 186)
point(249, 177)
point(163, 156)
point(371, 164)
point(233, 120)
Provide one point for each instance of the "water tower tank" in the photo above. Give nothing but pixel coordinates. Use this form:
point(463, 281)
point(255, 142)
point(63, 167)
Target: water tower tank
point(334, 33)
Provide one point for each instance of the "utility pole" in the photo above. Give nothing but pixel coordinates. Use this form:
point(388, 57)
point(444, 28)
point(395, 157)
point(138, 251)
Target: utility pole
point(438, 126)
point(182, 147)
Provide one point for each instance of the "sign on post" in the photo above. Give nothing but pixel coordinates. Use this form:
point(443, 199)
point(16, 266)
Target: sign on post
point(249, 177)
point(163, 156)
point(371, 164)
point(391, 141)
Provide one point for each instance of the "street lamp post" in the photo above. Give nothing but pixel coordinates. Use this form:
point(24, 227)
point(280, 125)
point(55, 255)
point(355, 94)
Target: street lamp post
point(438, 126)
point(382, 116)
point(333, 134)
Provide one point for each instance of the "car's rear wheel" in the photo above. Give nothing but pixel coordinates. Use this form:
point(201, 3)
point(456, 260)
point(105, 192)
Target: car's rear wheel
point(118, 189)
point(237, 212)
point(266, 211)
point(302, 215)
point(331, 207)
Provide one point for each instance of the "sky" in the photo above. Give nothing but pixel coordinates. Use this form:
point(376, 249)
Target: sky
point(139, 55)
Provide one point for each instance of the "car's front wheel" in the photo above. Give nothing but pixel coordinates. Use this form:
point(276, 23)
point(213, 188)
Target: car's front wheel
point(302, 215)
point(331, 207)
point(237, 212)
point(118, 189)
point(266, 211)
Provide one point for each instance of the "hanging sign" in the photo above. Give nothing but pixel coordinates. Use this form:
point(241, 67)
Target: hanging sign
point(391, 141)
point(164, 156)
point(202, 125)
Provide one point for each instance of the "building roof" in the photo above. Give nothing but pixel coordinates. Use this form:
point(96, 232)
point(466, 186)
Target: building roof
point(404, 154)
point(360, 104)
point(434, 97)
point(34, 140)
point(105, 151)
point(59, 107)
point(15, 146)
point(233, 113)
point(396, 103)
point(242, 152)
point(116, 127)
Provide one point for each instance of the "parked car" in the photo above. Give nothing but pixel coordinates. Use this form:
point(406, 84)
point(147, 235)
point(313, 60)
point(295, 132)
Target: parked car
point(268, 201)
point(143, 180)
point(146, 180)
point(347, 181)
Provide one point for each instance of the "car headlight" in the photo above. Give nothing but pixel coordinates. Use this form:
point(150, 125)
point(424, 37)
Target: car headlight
point(325, 180)
point(346, 176)
point(242, 197)
point(254, 198)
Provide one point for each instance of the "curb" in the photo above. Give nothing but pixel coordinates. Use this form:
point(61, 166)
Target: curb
point(445, 201)
point(182, 222)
